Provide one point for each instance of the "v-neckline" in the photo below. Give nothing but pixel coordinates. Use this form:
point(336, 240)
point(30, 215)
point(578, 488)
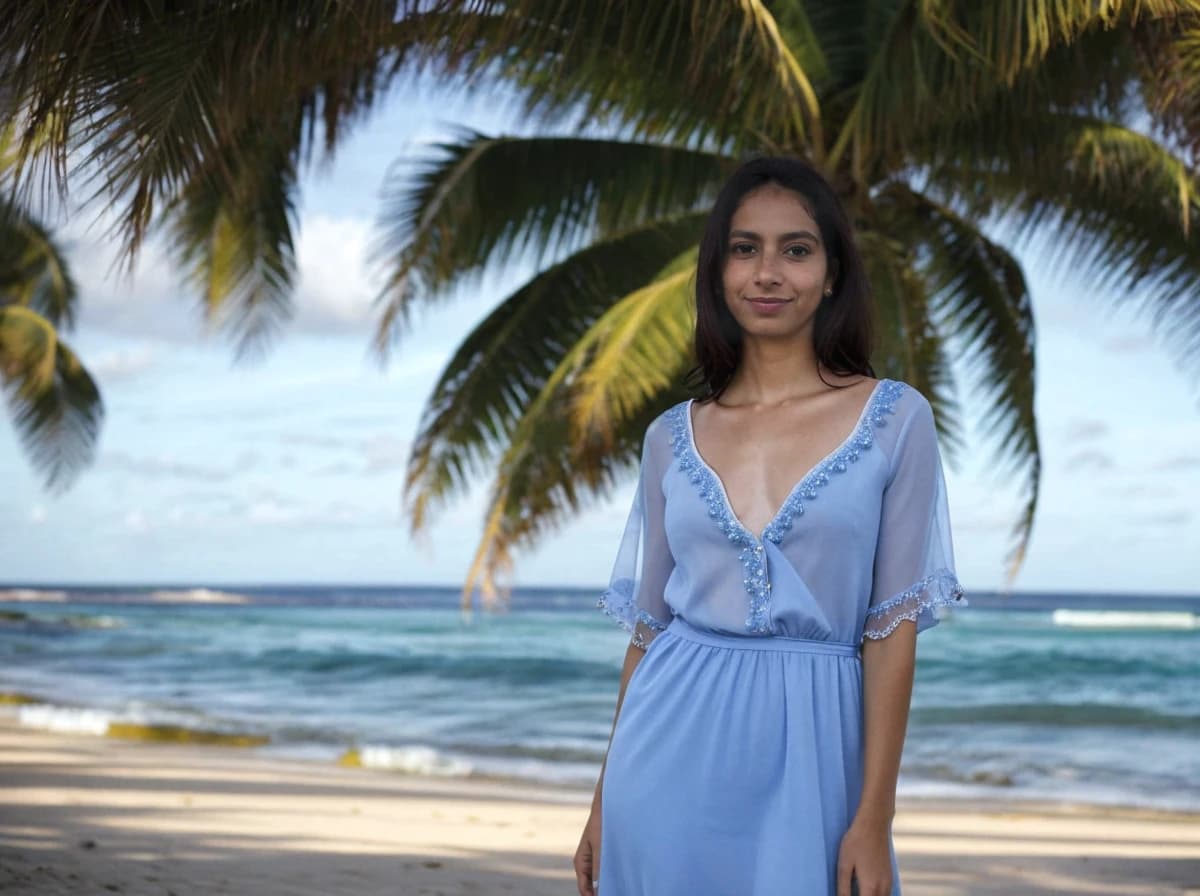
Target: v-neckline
point(691, 434)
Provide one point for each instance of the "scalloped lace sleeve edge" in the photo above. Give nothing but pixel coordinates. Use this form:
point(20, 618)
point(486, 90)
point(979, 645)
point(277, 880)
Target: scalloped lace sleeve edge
point(617, 602)
point(938, 589)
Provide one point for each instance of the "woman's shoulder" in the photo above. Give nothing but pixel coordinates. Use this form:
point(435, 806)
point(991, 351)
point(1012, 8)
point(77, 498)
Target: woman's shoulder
point(901, 398)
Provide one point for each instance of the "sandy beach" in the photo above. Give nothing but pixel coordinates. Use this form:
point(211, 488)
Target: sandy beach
point(85, 814)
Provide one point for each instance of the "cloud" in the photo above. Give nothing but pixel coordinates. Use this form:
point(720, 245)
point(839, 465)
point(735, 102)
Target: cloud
point(38, 514)
point(1180, 462)
point(1128, 344)
point(1085, 430)
point(135, 520)
point(275, 511)
point(336, 285)
point(119, 461)
point(1088, 460)
point(384, 453)
point(122, 364)
point(1176, 517)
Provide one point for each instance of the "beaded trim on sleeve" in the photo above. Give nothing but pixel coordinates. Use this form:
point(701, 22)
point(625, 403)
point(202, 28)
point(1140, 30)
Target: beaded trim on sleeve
point(938, 589)
point(752, 555)
point(617, 602)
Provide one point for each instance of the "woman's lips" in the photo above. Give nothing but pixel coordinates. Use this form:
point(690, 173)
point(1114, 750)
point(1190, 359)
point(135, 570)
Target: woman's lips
point(767, 306)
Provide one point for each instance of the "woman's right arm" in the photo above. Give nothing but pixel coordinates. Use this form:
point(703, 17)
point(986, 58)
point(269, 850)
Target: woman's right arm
point(587, 856)
point(635, 598)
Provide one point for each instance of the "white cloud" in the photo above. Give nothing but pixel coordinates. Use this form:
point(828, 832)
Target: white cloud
point(336, 285)
point(38, 514)
point(123, 363)
point(135, 520)
point(1083, 461)
point(164, 466)
point(384, 453)
point(1083, 430)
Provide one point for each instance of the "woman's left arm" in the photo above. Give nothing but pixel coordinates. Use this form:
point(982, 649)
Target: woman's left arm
point(888, 666)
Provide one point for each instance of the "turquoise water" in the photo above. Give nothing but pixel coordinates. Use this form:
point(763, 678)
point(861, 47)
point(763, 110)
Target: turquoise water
point(1008, 702)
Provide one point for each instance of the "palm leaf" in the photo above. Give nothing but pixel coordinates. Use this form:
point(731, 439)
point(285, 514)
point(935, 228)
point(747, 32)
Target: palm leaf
point(634, 353)
point(563, 449)
point(939, 62)
point(147, 97)
point(979, 293)
point(678, 70)
point(1096, 186)
point(231, 232)
point(485, 202)
point(33, 271)
point(53, 400)
point(504, 363)
point(911, 347)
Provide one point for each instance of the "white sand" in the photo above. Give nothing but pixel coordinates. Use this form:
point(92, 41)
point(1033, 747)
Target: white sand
point(82, 814)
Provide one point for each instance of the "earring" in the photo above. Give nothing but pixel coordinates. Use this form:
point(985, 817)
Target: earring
point(828, 293)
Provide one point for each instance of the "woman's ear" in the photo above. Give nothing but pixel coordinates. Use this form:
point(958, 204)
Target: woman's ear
point(831, 276)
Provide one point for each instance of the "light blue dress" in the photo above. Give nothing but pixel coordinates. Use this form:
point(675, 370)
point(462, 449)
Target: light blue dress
point(736, 764)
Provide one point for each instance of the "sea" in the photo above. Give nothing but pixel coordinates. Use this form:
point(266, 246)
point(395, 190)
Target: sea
point(1083, 698)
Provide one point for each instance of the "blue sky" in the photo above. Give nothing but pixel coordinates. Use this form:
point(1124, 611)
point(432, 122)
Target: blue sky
point(291, 470)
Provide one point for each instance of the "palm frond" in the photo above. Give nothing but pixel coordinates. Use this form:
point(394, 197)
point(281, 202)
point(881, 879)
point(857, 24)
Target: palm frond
point(941, 62)
point(503, 364)
point(979, 293)
point(146, 96)
point(678, 70)
point(911, 347)
point(1116, 206)
point(53, 400)
point(483, 202)
point(1169, 58)
point(545, 476)
point(231, 232)
point(634, 352)
point(33, 270)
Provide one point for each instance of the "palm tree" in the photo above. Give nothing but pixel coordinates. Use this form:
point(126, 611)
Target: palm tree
point(953, 130)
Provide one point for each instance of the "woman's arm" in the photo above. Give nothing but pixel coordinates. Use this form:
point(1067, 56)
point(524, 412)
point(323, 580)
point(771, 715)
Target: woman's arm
point(587, 855)
point(888, 667)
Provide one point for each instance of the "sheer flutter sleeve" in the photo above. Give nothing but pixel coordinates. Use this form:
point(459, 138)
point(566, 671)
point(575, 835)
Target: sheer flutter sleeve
point(914, 556)
point(634, 596)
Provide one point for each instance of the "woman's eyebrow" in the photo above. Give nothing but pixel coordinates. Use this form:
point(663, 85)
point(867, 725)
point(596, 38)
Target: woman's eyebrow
point(791, 235)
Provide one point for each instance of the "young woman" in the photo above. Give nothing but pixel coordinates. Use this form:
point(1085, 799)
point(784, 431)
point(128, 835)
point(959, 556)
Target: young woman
point(788, 540)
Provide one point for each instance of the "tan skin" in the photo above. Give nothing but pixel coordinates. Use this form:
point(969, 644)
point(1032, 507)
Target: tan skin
point(778, 418)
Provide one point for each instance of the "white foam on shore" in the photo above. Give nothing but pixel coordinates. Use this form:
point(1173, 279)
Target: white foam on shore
point(415, 760)
point(31, 594)
point(1125, 619)
point(198, 596)
point(64, 719)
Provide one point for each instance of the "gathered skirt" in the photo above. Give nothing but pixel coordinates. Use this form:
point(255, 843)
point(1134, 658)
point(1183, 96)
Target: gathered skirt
point(735, 767)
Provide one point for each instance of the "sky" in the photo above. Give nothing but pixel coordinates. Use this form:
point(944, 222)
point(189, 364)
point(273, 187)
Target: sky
point(291, 469)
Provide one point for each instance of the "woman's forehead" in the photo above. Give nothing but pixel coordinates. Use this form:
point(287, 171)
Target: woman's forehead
point(773, 208)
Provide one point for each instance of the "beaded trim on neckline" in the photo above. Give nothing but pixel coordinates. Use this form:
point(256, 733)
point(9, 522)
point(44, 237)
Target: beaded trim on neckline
point(878, 406)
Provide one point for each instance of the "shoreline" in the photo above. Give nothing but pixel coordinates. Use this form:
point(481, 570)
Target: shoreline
point(81, 813)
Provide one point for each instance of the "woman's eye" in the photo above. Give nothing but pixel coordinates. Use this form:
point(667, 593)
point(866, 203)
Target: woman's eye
point(797, 251)
point(741, 248)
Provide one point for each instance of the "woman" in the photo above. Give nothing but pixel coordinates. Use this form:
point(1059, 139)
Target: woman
point(794, 538)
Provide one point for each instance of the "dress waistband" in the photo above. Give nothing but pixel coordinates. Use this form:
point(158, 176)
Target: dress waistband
point(684, 629)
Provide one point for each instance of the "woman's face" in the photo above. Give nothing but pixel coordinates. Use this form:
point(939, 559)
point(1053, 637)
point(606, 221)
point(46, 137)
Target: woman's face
point(775, 264)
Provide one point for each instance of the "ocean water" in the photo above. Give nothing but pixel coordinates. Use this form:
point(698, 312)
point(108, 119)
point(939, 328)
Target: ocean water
point(1057, 697)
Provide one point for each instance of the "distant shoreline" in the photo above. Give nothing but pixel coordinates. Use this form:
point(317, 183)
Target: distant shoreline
point(530, 596)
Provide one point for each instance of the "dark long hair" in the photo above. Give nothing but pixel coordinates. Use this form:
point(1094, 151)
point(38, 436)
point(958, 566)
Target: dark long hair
point(843, 328)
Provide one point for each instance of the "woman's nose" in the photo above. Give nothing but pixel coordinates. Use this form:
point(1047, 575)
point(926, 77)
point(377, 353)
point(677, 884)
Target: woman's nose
point(767, 271)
